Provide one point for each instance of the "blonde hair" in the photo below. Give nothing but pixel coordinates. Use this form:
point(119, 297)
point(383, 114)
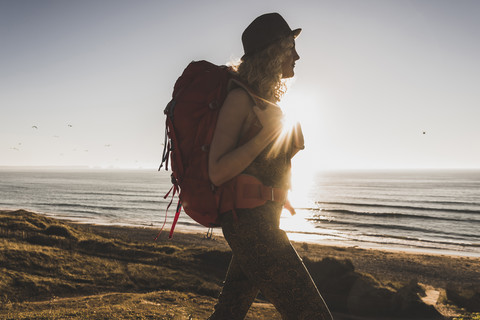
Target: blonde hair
point(262, 71)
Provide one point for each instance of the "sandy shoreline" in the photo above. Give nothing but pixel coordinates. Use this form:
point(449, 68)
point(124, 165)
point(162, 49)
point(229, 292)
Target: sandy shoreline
point(396, 265)
point(328, 243)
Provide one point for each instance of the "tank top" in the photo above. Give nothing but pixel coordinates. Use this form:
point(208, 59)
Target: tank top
point(273, 165)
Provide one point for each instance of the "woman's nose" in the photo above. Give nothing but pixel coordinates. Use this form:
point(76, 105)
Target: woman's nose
point(295, 55)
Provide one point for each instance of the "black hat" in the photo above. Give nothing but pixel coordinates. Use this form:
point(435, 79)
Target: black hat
point(265, 30)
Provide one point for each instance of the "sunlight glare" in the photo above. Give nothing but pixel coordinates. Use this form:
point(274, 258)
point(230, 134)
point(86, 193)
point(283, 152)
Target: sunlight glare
point(300, 107)
point(304, 109)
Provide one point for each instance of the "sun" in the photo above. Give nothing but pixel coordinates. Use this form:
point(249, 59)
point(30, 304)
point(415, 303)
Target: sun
point(291, 133)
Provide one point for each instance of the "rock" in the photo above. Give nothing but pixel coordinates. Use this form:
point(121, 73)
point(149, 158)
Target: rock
point(407, 303)
point(334, 279)
point(368, 298)
point(350, 292)
point(468, 298)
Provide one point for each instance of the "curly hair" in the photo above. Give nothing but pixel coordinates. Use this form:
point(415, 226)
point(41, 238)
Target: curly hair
point(262, 71)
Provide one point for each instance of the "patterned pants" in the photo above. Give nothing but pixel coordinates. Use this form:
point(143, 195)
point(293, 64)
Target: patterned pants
point(264, 260)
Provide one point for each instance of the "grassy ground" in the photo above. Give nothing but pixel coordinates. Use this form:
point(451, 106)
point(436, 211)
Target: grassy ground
point(44, 258)
point(51, 269)
point(155, 305)
point(54, 270)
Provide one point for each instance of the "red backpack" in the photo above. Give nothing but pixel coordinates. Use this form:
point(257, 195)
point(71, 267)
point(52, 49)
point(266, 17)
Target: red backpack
point(191, 118)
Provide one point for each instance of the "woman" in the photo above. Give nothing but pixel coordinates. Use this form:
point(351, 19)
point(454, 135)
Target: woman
point(263, 258)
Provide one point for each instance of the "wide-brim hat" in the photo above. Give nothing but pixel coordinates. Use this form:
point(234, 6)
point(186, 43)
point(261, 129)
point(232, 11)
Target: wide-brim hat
point(265, 30)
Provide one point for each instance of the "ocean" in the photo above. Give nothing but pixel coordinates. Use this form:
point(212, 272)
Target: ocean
point(433, 211)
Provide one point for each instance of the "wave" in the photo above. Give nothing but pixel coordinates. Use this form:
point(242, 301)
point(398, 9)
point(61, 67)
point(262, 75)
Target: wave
point(148, 201)
point(377, 205)
point(396, 215)
point(454, 240)
point(379, 226)
point(190, 223)
point(410, 242)
point(80, 213)
point(74, 205)
point(421, 244)
point(105, 193)
point(119, 193)
point(454, 203)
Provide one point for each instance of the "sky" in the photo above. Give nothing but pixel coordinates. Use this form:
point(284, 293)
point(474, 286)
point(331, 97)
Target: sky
point(380, 84)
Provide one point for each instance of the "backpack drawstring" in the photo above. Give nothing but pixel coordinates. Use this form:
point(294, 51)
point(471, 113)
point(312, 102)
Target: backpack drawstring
point(175, 189)
point(166, 151)
point(177, 214)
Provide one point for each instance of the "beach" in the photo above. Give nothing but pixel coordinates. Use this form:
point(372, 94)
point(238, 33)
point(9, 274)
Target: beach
point(418, 211)
point(57, 269)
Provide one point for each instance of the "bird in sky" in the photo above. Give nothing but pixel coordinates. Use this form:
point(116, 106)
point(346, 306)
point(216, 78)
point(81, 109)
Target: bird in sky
point(34, 127)
point(70, 125)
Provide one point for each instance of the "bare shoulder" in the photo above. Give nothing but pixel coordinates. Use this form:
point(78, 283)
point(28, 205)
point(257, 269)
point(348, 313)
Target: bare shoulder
point(238, 101)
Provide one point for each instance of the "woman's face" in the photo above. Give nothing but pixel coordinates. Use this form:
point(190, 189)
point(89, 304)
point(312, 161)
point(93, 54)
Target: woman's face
point(289, 63)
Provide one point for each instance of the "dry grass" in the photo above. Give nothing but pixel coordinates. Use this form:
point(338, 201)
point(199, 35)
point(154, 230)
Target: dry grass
point(43, 258)
point(156, 305)
point(51, 269)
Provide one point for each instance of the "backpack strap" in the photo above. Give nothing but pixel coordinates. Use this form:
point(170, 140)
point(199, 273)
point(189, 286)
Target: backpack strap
point(255, 127)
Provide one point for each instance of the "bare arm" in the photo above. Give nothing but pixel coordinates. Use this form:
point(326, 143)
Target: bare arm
point(226, 160)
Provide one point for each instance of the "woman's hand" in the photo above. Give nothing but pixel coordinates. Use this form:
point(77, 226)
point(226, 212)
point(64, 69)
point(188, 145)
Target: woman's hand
point(271, 120)
point(298, 141)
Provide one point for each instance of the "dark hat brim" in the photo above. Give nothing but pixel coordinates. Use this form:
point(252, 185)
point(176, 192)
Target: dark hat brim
point(296, 32)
